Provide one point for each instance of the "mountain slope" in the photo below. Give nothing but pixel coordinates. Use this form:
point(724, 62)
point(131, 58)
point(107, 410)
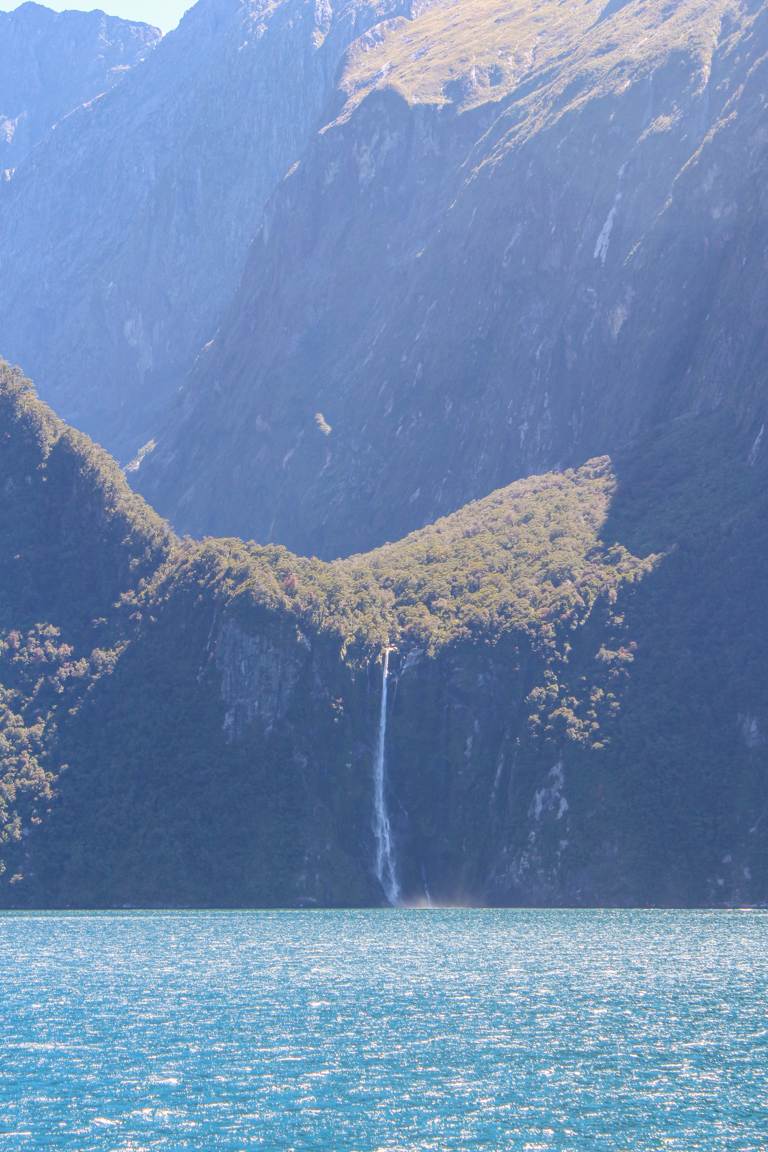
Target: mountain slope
point(576, 713)
point(52, 62)
point(532, 233)
point(124, 235)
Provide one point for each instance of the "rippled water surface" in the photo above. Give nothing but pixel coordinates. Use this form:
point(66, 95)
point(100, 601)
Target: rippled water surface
point(384, 1030)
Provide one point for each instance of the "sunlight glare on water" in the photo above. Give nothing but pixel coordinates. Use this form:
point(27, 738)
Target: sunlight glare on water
point(364, 1031)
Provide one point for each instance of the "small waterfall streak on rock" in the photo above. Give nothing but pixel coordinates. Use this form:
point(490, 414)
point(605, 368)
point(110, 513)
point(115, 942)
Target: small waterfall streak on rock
point(427, 894)
point(386, 870)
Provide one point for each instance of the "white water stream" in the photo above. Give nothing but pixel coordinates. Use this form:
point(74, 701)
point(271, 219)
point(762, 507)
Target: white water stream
point(386, 869)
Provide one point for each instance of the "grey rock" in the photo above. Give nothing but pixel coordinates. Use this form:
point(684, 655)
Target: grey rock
point(52, 62)
point(488, 282)
point(125, 233)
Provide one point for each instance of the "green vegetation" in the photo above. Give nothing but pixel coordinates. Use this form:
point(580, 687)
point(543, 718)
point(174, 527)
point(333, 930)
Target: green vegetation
point(191, 722)
point(527, 559)
point(74, 542)
point(90, 574)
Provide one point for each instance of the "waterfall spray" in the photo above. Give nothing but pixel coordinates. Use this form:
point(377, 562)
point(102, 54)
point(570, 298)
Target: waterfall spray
point(386, 870)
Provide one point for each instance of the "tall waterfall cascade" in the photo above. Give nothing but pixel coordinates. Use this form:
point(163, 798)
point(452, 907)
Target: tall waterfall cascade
point(386, 867)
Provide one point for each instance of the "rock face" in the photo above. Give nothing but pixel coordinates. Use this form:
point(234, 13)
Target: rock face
point(530, 233)
point(499, 238)
point(52, 62)
point(124, 235)
point(576, 704)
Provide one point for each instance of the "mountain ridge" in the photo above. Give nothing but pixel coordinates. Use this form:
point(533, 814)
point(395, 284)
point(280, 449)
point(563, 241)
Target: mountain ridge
point(557, 690)
point(52, 62)
point(472, 456)
point(153, 193)
point(540, 277)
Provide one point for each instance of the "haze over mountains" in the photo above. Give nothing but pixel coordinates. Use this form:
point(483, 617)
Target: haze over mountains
point(518, 242)
point(152, 195)
point(51, 62)
point(321, 274)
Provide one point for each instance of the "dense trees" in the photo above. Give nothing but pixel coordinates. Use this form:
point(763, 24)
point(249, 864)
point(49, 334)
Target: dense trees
point(186, 721)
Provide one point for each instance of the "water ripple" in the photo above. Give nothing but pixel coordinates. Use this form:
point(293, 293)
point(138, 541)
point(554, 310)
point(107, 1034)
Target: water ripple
point(452, 1031)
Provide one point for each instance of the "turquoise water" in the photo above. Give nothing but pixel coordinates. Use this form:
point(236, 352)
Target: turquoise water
point(337, 1031)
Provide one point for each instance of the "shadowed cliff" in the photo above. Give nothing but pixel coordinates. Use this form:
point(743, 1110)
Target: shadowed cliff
point(530, 234)
point(576, 712)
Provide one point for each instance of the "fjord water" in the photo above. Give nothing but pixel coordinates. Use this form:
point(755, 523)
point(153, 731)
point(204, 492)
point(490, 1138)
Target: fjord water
point(384, 1030)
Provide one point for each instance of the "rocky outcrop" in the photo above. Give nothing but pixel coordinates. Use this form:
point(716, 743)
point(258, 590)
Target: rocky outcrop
point(476, 275)
point(52, 62)
point(151, 195)
point(515, 243)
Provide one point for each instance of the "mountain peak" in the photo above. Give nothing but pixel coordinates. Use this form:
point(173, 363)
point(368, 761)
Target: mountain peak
point(52, 62)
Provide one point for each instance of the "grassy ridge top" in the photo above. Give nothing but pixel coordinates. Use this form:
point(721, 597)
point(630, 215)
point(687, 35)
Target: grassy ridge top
point(469, 52)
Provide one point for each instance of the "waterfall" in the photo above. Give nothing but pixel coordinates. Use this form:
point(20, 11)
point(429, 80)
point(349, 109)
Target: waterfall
point(386, 870)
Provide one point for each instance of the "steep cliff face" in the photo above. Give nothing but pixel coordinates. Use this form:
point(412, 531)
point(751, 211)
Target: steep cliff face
point(576, 707)
point(52, 62)
point(525, 236)
point(531, 234)
point(124, 235)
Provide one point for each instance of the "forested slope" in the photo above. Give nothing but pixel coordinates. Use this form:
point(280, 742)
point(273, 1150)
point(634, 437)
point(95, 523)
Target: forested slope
point(577, 712)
